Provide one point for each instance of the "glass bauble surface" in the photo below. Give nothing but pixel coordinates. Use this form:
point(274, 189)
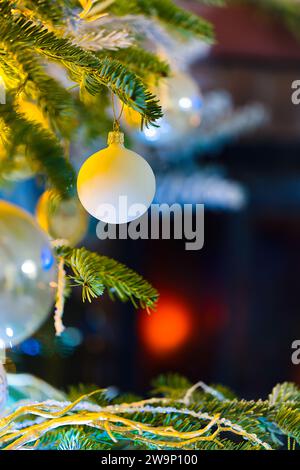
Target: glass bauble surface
point(63, 219)
point(27, 275)
point(182, 105)
point(17, 167)
point(116, 185)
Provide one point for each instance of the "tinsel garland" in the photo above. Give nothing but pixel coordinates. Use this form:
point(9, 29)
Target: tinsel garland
point(60, 299)
point(199, 417)
point(15, 435)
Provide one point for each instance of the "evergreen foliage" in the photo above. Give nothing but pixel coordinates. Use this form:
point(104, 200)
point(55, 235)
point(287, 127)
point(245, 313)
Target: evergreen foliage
point(43, 46)
point(95, 273)
point(178, 415)
point(36, 34)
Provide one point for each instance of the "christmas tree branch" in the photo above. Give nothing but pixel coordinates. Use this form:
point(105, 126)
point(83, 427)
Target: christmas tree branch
point(87, 69)
point(46, 10)
point(95, 273)
point(166, 11)
point(140, 61)
point(42, 147)
point(33, 83)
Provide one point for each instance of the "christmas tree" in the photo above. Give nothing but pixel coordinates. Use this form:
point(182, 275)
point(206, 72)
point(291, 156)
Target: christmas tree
point(63, 65)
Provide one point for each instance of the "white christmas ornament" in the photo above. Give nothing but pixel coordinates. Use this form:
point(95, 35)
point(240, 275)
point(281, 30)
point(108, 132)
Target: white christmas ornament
point(116, 185)
point(27, 275)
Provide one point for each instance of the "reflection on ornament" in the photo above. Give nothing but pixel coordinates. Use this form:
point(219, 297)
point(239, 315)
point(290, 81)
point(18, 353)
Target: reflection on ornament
point(27, 275)
point(116, 185)
point(182, 105)
point(17, 167)
point(20, 166)
point(62, 219)
point(25, 386)
point(221, 123)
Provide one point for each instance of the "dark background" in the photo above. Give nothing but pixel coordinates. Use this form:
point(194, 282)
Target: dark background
point(230, 312)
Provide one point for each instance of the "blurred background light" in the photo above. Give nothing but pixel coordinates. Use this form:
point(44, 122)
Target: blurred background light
point(210, 187)
point(71, 337)
point(31, 347)
point(167, 329)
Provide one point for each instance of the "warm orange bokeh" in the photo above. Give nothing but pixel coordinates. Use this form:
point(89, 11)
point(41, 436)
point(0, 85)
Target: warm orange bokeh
point(168, 328)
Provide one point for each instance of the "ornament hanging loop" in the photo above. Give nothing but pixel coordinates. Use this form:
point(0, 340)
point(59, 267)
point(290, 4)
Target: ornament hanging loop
point(116, 123)
point(116, 137)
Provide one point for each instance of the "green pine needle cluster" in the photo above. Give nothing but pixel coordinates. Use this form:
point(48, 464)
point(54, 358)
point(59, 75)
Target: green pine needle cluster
point(35, 35)
point(141, 61)
point(166, 11)
point(95, 273)
point(88, 70)
point(41, 146)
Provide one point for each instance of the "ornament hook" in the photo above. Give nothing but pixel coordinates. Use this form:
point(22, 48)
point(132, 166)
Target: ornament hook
point(116, 123)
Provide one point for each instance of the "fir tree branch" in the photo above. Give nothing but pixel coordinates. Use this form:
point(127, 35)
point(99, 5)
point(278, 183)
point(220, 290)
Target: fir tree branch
point(140, 61)
point(96, 272)
point(45, 10)
point(42, 147)
point(288, 421)
point(285, 393)
point(30, 79)
point(166, 11)
point(285, 409)
point(88, 70)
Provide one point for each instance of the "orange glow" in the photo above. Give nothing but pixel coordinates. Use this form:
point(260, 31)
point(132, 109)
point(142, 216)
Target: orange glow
point(168, 328)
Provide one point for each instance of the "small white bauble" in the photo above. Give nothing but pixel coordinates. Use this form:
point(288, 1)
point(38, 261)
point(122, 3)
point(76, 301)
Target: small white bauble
point(116, 185)
point(18, 168)
point(63, 219)
point(182, 104)
point(27, 275)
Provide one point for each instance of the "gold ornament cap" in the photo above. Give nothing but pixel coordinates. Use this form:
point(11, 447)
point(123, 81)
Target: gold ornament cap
point(115, 137)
